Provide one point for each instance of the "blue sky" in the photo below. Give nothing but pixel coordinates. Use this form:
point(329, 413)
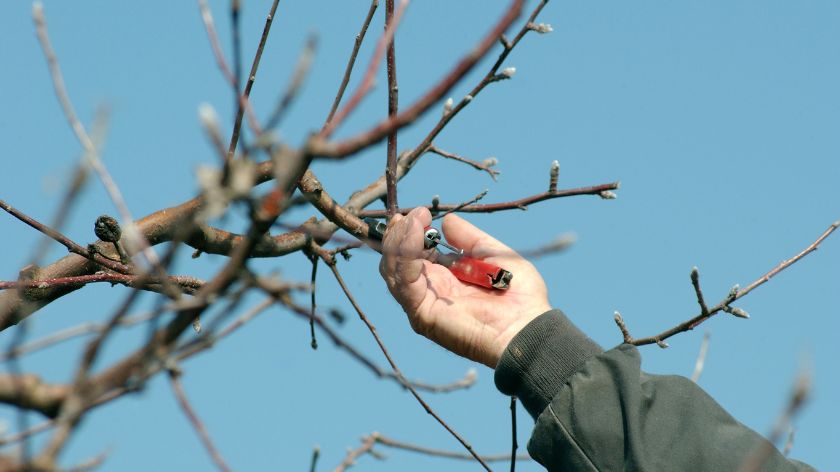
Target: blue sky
point(719, 118)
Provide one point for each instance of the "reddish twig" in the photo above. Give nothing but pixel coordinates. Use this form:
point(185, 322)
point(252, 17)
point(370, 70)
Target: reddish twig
point(436, 93)
point(370, 74)
point(519, 204)
point(195, 421)
point(489, 78)
point(386, 441)
point(393, 105)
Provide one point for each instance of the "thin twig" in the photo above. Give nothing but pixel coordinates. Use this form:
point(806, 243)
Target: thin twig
point(352, 61)
point(725, 304)
point(65, 241)
point(195, 421)
point(436, 93)
point(314, 260)
point(461, 206)
point(331, 264)
point(787, 263)
point(513, 443)
point(252, 75)
point(370, 74)
point(316, 453)
point(519, 204)
point(467, 381)
point(474, 164)
point(386, 441)
point(695, 282)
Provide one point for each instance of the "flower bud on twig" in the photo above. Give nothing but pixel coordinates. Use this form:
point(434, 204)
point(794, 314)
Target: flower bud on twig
point(541, 28)
point(553, 174)
point(739, 313)
point(447, 106)
point(107, 229)
point(608, 195)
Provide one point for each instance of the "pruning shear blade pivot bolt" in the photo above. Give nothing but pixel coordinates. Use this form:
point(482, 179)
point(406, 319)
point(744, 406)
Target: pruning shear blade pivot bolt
point(465, 268)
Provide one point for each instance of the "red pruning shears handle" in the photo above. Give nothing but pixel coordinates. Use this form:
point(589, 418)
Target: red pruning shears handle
point(481, 273)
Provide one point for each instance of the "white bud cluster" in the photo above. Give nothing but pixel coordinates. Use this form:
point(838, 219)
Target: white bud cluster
point(608, 195)
point(541, 28)
point(508, 72)
point(490, 162)
point(447, 106)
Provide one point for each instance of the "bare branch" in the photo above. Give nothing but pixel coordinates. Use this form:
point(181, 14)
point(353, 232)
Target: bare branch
point(393, 104)
point(734, 294)
point(519, 204)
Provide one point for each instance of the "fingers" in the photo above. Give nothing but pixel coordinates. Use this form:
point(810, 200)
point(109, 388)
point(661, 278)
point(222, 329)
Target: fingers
point(463, 234)
point(402, 257)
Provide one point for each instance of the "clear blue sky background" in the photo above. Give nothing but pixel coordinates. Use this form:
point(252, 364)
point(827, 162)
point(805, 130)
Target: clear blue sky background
point(720, 118)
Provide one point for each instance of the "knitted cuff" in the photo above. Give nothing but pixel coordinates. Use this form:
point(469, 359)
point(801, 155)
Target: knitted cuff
point(541, 357)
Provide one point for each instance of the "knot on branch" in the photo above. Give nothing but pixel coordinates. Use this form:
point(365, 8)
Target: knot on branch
point(107, 229)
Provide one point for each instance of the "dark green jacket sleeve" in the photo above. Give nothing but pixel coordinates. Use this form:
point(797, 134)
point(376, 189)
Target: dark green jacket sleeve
point(597, 411)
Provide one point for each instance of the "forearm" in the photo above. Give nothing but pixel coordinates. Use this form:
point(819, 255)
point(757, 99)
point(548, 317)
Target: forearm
point(598, 411)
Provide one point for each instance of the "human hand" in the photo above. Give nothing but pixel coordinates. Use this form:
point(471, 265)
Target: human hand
point(471, 321)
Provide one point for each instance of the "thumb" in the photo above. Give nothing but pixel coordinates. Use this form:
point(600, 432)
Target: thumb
point(464, 235)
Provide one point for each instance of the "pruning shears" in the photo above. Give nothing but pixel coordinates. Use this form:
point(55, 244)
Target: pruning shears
point(464, 268)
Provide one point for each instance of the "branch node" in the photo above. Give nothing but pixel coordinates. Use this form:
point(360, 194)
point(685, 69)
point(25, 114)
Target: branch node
point(732, 295)
point(505, 42)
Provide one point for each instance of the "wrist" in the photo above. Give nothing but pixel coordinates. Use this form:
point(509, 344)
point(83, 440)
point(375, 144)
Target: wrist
point(504, 338)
